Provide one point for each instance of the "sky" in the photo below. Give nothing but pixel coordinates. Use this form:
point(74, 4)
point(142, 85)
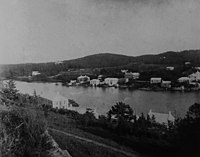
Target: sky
point(53, 30)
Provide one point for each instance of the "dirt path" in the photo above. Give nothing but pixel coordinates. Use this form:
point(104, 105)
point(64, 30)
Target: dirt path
point(96, 143)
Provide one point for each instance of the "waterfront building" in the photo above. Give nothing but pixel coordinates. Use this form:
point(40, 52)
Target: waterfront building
point(197, 68)
point(61, 102)
point(101, 78)
point(83, 79)
point(195, 76)
point(94, 82)
point(72, 83)
point(123, 81)
point(184, 80)
point(111, 81)
point(166, 84)
point(162, 118)
point(155, 80)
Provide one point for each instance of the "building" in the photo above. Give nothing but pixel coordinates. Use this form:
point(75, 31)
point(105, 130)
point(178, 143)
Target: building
point(197, 68)
point(195, 76)
point(124, 71)
point(162, 118)
point(130, 75)
point(166, 84)
point(59, 62)
point(184, 80)
point(72, 83)
point(170, 68)
point(61, 102)
point(94, 82)
point(83, 79)
point(155, 80)
point(101, 78)
point(35, 73)
point(187, 63)
point(111, 81)
point(122, 81)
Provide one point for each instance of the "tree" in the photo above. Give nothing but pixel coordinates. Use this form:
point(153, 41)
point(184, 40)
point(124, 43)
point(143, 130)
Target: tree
point(194, 111)
point(121, 111)
point(122, 114)
point(188, 130)
point(10, 91)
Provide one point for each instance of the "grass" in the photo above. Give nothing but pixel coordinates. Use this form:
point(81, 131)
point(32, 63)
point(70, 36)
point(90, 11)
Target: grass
point(66, 124)
point(79, 148)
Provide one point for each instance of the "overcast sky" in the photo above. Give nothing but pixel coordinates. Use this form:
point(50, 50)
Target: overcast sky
point(51, 30)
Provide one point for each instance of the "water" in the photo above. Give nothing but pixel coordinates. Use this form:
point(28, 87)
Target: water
point(103, 98)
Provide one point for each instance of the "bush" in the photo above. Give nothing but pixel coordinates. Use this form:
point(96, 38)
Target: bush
point(23, 133)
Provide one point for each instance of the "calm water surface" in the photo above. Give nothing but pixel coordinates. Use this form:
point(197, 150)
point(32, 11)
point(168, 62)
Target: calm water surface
point(103, 98)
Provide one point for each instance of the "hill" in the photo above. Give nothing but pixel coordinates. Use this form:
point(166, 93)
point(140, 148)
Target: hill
point(103, 60)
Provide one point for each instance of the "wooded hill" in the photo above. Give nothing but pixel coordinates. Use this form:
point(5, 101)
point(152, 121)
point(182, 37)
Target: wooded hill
point(103, 60)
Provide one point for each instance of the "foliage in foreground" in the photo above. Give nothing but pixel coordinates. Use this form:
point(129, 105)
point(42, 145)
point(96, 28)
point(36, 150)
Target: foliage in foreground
point(22, 133)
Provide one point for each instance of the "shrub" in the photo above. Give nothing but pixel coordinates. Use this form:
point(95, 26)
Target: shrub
point(23, 133)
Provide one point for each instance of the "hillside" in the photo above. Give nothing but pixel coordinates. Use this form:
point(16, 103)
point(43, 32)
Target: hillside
point(101, 61)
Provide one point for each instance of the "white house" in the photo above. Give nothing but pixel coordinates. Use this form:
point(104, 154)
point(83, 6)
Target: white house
point(187, 63)
point(59, 62)
point(111, 81)
point(170, 68)
point(83, 79)
point(162, 118)
point(131, 75)
point(124, 71)
point(166, 84)
point(155, 80)
point(72, 83)
point(184, 79)
point(195, 76)
point(94, 82)
point(61, 102)
point(35, 73)
point(197, 68)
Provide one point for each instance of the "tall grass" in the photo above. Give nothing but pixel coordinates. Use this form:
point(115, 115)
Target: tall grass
point(22, 133)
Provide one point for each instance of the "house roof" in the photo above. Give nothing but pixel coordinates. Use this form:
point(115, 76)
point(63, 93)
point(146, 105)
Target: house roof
point(183, 78)
point(166, 82)
point(162, 117)
point(111, 79)
point(156, 78)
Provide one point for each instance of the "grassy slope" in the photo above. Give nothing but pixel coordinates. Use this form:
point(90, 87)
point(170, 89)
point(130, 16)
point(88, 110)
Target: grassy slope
point(62, 122)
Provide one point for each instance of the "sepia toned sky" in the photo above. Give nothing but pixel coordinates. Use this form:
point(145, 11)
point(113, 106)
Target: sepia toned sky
point(51, 30)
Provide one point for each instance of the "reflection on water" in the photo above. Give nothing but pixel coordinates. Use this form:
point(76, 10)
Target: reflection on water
point(103, 98)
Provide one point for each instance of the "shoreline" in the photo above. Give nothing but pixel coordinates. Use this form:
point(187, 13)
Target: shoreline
point(159, 89)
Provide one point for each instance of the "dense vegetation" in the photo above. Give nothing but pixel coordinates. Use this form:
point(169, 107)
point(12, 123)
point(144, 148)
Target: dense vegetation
point(142, 134)
point(108, 62)
point(23, 131)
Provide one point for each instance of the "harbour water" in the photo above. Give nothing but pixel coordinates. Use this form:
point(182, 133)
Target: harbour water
point(102, 99)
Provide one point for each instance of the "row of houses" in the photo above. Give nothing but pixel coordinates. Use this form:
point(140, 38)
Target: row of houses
point(164, 84)
point(192, 78)
point(102, 80)
point(195, 77)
